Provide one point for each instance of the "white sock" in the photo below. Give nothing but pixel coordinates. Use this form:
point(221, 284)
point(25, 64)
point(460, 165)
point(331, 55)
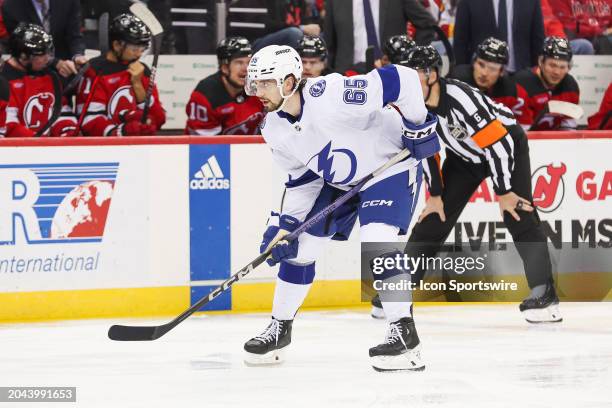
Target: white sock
point(288, 297)
point(396, 310)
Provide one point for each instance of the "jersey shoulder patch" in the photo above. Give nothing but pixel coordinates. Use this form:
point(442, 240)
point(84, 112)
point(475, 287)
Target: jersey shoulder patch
point(317, 88)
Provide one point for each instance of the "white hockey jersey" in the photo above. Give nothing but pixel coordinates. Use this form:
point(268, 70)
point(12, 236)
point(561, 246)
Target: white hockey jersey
point(344, 131)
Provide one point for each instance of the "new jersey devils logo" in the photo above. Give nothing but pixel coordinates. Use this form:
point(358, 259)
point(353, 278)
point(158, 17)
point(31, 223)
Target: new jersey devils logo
point(247, 127)
point(38, 110)
point(549, 188)
point(121, 101)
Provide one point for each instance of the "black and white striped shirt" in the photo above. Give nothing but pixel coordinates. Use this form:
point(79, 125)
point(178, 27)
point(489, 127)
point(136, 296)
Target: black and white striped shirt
point(475, 128)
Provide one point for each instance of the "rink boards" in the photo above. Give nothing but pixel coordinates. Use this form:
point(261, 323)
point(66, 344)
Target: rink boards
point(146, 226)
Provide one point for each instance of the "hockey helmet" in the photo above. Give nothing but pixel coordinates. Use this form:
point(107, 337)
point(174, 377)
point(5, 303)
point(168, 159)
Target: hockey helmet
point(424, 57)
point(312, 47)
point(233, 47)
point(129, 29)
point(30, 39)
point(493, 50)
point(557, 48)
point(274, 62)
point(397, 48)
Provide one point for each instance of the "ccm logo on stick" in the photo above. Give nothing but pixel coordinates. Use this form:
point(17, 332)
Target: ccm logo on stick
point(377, 203)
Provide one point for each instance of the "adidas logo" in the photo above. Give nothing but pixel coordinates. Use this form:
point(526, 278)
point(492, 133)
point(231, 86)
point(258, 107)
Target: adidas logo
point(209, 177)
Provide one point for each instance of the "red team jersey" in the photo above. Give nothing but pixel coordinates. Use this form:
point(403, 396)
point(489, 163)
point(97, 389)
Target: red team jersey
point(4, 99)
point(505, 91)
point(30, 105)
point(212, 111)
point(107, 90)
point(539, 95)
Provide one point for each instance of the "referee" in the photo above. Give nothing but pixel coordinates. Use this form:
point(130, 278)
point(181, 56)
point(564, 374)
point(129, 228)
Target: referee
point(482, 140)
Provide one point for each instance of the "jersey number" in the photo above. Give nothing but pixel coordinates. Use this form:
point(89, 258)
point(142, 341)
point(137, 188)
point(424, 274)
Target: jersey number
point(354, 93)
point(197, 112)
point(517, 108)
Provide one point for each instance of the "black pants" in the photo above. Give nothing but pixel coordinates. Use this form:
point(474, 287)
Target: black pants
point(461, 179)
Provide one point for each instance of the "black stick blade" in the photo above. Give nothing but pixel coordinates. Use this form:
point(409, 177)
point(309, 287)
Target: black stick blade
point(134, 333)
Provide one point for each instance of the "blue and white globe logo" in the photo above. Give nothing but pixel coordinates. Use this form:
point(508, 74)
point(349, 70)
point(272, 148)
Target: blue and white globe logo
point(317, 88)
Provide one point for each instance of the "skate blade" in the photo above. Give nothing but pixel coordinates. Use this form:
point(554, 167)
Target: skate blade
point(548, 314)
point(377, 312)
point(273, 357)
point(409, 361)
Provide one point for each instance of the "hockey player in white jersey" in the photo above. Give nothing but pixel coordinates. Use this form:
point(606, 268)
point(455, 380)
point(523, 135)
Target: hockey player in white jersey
point(327, 134)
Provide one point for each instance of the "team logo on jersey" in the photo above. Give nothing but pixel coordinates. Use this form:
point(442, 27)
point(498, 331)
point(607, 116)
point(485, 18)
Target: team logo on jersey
point(209, 177)
point(457, 131)
point(317, 88)
point(121, 101)
point(38, 109)
point(549, 188)
point(247, 127)
point(336, 165)
point(55, 203)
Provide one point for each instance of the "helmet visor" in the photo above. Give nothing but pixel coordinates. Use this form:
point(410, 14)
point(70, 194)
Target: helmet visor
point(254, 86)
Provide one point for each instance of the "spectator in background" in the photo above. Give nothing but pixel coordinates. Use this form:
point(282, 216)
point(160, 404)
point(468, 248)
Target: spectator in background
point(353, 25)
point(111, 98)
point(487, 73)
point(602, 119)
point(586, 19)
point(61, 19)
point(517, 22)
point(287, 22)
point(550, 80)
point(313, 52)
point(396, 49)
point(219, 104)
point(554, 28)
point(32, 84)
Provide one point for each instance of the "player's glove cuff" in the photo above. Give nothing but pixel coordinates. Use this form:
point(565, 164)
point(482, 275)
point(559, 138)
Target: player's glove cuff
point(288, 223)
point(421, 140)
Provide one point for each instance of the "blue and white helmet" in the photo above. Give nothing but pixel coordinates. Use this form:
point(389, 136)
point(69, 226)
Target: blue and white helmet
point(275, 62)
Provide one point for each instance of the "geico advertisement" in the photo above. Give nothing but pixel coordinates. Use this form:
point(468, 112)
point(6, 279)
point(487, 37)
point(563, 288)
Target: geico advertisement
point(572, 189)
point(75, 218)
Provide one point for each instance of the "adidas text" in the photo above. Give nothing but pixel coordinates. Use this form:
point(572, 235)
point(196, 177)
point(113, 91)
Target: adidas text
point(209, 184)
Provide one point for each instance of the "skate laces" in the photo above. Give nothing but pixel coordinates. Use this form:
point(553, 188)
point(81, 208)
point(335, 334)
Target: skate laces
point(394, 333)
point(271, 333)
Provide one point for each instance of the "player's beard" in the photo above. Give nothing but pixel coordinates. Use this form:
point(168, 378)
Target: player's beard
point(273, 106)
point(233, 83)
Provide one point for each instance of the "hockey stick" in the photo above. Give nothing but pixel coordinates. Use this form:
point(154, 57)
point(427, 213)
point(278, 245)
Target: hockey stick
point(447, 46)
point(59, 93)
point(141, 11)
point(571, 110)
point(147, 333)
point(369, 58)
point(103, 34)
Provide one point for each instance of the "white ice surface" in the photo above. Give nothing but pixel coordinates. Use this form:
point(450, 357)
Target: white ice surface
point(476, 356)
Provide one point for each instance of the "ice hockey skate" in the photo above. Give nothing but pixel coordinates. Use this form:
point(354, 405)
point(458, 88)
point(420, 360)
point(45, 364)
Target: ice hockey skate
point(268, 348)
point(542, 309)
point(401, 350)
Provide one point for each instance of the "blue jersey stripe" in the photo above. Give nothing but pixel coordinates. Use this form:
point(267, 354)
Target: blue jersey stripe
point(305, 178)
point(391, 83)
